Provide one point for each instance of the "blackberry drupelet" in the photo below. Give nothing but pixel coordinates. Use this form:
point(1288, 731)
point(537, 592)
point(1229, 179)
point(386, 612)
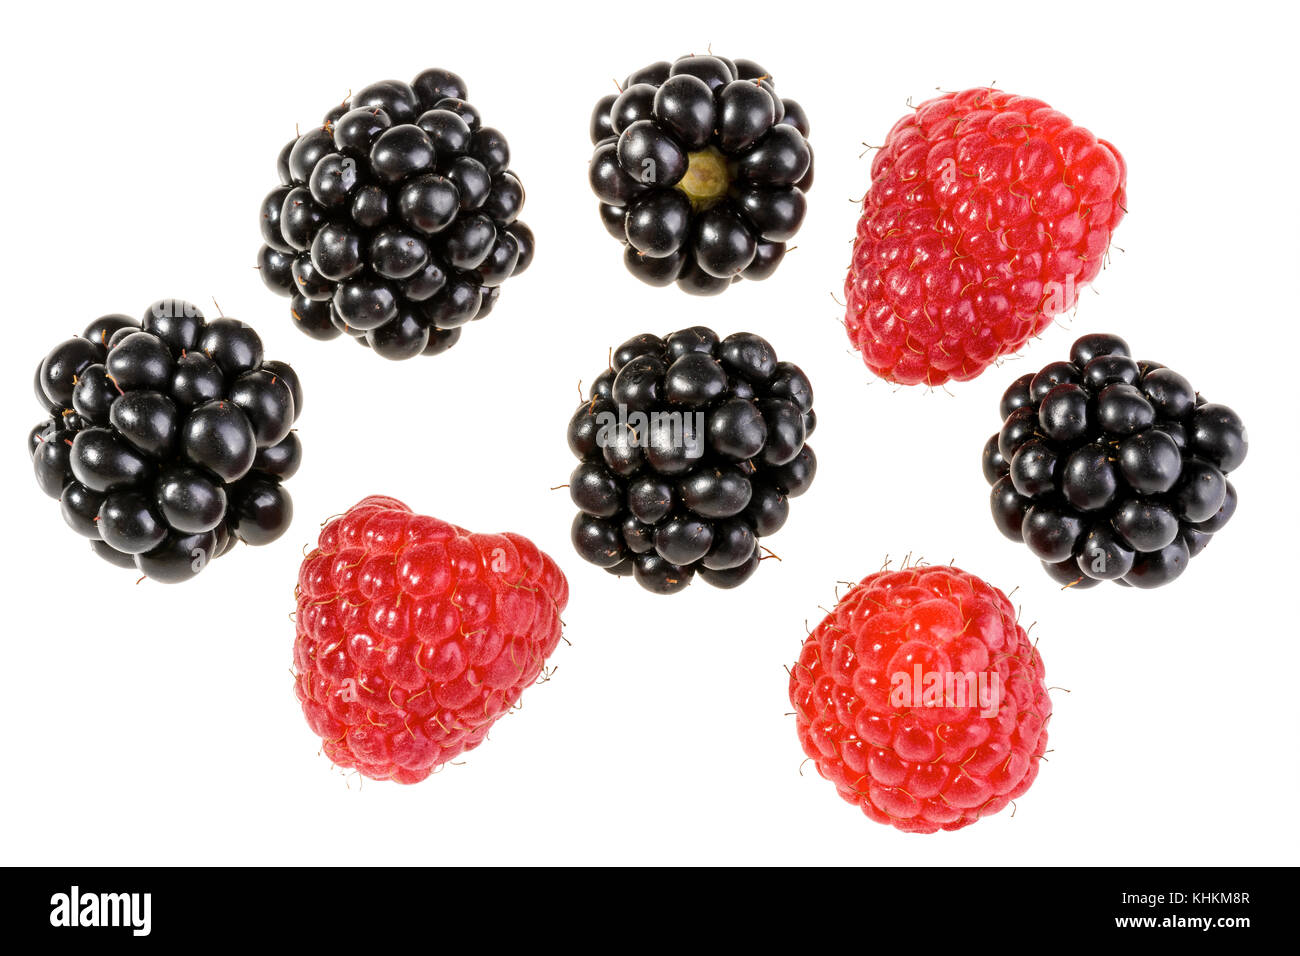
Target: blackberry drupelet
point(1111, 469)
point(701, 170)
point(691, 448)
point(167, 440)
point(396, 221)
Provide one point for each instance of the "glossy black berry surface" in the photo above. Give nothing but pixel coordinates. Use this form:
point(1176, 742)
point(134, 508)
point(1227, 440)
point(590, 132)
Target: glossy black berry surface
point(701, 170)
point(167, 439)
point(1110, 469)
point(396, 221)
point(691, 447)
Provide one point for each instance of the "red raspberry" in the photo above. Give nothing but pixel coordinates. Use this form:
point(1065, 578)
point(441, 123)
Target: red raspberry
point(987, 212)
point(414, 636)
point(922, 700)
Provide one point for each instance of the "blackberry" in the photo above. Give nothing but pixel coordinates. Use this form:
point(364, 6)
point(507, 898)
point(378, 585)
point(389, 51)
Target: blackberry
point(396, 220)
point(691, 447)
point(1111, 469)
point(701, 170)
point(167, 439)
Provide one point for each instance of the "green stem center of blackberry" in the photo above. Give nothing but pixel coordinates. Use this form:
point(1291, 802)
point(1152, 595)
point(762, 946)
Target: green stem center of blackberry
point(706, 179)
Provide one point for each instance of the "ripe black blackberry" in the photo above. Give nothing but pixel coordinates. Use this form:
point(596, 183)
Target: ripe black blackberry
point(691, 447)
point(167, 440)
point(1110, 469)
point(701, 171)
point(396, 221)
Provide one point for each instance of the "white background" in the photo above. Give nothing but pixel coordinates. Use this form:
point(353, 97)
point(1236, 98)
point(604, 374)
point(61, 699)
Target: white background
point(157, 724)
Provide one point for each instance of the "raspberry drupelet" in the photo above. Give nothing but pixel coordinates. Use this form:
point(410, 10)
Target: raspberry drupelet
point(921, 698)
point(414, 636)
point(987, 213)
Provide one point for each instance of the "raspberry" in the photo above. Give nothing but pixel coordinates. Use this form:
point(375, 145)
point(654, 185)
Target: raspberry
point(396, 221)
point(167, 439)
point(922, 700)
point(414, 636)
point(986, 214)
point(701, 171)
point(691, 448)
point(1110, 469)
